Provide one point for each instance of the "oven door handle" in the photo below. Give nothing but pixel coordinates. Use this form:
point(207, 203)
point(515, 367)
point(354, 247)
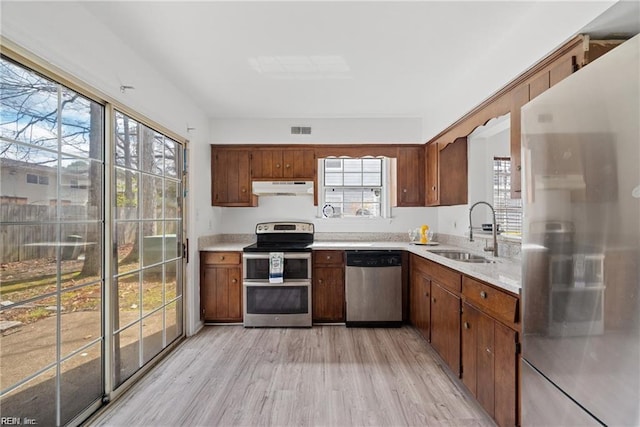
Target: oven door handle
point(267, 284)
point(287, 255)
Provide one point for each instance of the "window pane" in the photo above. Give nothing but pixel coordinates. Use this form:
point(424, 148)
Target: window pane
point(147, 140)
point(333, 196)
point(81, 126)
point(152, 242)
point(127, 353)
point(172, 199)
point(128, 300)
point(25, 170)
point(333, 179)
point(152, 286)
point(126, 150)
point(352, 165)
point(21, 400)
point(158, 154)
point(173, 320)
point(352, 179)
point(28, 106)
point(126, 194)
point(80, 382)
point(372, 165)
point(151, 196)
point(80, 254)
point(172, 241)
point(172, 157)
point(372, 179)
point(152, 331)
point(87, 192)
point(31, 345)
point(172, 286)
point(81, 317)
point(128, 257)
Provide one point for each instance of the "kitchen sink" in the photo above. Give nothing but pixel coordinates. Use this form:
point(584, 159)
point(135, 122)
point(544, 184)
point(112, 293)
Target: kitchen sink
point(461, 256)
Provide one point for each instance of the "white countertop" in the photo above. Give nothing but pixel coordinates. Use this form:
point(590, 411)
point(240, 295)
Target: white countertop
point(503, 273)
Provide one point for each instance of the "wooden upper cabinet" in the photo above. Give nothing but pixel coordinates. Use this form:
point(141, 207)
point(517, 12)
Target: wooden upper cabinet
point(299, 164)
point(432, 190)
point(266, 164)
point(447, 173)
point(231, 177)
point(286, 163)
point(410, 176)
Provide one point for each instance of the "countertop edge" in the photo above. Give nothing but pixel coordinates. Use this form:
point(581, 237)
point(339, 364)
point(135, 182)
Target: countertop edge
point(502, 273)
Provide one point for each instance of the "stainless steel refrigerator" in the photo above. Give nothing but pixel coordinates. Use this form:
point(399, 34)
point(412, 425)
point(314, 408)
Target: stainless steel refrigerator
point(581, 247)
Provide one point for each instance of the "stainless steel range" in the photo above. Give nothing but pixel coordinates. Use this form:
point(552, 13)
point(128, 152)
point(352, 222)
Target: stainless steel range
point(277, 275)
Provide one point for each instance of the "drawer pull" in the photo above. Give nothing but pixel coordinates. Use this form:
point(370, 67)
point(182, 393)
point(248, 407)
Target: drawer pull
point(466, 325)
point(234, 281)
point(483, 295)
point(328, 256)
point(222, 258)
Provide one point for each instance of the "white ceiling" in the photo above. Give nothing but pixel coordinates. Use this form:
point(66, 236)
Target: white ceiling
point(342, 59)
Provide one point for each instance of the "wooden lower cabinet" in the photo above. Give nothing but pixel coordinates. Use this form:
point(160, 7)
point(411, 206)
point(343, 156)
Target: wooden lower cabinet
point(221, 287)
point(328, 297)
point(420, 298)
point(489, 364)
point(445, 325)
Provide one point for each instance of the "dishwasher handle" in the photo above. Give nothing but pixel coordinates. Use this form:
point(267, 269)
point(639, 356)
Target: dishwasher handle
point(368, 259)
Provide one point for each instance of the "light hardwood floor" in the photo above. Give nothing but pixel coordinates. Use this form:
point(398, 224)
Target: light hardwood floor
point(327, 375)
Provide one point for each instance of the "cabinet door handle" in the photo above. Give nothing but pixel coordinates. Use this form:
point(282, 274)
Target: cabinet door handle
point(287, 166)
point(518, 167)
point(488, 350)
point(483, 295)
point(319, 280)
point(434, 300)
point(426, 294)
point(433, 188)
point(234, 281)
point(466, 325)
point(404, 190)
point(277, 165)
point(244, 190)
point(328, 256)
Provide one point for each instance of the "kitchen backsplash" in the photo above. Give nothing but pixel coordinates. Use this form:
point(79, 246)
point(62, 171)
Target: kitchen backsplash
point(506, 248)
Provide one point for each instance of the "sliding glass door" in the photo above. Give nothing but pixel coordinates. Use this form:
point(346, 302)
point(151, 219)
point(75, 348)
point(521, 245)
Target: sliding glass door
point(147, 219)
point(51, 248)
point(91, 232)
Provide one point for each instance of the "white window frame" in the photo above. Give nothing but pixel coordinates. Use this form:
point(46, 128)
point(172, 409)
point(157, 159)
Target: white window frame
point(385, 195)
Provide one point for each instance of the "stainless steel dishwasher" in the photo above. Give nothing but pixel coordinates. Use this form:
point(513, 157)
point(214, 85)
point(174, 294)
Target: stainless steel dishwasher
point(373, 282)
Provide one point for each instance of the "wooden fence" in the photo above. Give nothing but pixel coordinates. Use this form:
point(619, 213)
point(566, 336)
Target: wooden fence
point(41, 240)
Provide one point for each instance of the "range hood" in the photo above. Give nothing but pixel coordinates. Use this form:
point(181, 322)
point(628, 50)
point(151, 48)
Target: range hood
point(282, 188)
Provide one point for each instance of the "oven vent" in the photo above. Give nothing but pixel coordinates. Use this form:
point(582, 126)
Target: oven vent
point(300, 130)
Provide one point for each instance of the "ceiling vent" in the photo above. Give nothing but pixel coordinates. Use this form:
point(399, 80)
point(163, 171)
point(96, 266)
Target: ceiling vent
point(300, 130)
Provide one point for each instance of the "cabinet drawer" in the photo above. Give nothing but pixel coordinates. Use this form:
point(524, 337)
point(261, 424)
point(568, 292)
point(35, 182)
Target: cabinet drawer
point(497, 303)
point(328, 258)
point(449, 278)
point(220, 258)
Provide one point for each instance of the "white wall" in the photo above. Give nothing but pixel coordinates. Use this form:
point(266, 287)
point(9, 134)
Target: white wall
point(70, 38)
point(354, 130)
point(275, 208)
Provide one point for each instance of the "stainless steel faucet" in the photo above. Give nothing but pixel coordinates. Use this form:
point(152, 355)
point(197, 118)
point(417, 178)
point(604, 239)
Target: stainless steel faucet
point(494, 249)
